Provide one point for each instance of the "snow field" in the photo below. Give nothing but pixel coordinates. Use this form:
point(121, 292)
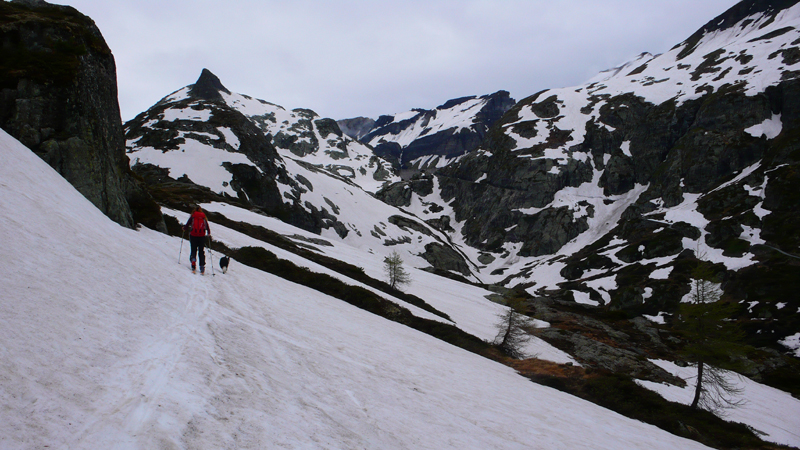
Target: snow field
point(204, 167)
point(456, 118)
point(467, 305)
point(121, 347)
point(770, 411)
point(666, 74)
point(274, 119)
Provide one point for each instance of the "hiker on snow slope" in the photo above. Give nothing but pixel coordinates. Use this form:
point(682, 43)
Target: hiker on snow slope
point(198, 224)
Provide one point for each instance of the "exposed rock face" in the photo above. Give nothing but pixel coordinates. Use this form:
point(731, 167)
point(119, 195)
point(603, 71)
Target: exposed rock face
point(357, 127)
point(424, 139)
point(607, 193)
point(254, 180)
point(208, 87)
point(59, 98)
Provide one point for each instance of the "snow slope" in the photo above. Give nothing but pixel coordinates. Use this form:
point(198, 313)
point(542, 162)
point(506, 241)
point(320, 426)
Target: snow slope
point(329, 174)
point(119, 346)
point(752, 53)
point(468, 306)
point(773, 413)
point(414, 124)
point(337, 153)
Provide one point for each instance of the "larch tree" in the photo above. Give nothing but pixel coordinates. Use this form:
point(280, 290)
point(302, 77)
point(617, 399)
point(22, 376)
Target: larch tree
point(396, 274)
point(512, 329)
point(713, 338)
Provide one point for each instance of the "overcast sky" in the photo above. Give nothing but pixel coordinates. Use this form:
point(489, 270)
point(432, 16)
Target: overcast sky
point(348, 58)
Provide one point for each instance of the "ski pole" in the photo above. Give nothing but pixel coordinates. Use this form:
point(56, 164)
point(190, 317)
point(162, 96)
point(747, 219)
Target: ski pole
point(211, 255)
point(181, 250)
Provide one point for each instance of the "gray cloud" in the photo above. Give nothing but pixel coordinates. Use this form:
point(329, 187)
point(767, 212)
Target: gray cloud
point(368, 57)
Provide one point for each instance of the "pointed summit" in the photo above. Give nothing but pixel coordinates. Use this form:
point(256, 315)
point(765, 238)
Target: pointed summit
point(208, 87)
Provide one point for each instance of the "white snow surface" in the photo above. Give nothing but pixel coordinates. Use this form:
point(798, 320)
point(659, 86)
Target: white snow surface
point(793, 343)
point(467, 305)
point(768, 410)
point(427, 123)
point(357, 162)
point(737, 55)
point(663, 76)
point(770, 128)
point(120, 346)
point(203, 164)
point(339, 155)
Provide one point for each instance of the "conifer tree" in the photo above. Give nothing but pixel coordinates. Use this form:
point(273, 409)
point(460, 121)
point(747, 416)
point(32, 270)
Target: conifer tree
point(395, 273)
point(707, 323)
point(512, 334)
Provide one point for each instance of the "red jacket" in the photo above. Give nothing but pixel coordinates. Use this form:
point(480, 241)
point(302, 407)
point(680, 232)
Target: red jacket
point(198, 223)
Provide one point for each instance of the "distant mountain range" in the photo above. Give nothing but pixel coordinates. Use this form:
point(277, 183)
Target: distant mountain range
point(423, 139)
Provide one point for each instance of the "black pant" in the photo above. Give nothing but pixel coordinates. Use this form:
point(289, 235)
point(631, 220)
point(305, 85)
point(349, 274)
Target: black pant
point(198, 243)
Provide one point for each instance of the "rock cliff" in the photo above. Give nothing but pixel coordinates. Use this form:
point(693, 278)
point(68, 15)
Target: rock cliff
point(59, 98)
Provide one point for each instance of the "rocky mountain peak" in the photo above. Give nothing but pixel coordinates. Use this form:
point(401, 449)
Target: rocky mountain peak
point(746, 9)
point(356, 127)
point(422, 139)
point(208, 87)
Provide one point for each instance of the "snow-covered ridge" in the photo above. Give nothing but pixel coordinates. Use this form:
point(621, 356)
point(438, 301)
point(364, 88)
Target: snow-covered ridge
point(329, 148)
point(314, 169)
point(757, 52)
point(296, 134)
point(607, 74)
point(412, 140)
point(404, 128)
point(636, 167)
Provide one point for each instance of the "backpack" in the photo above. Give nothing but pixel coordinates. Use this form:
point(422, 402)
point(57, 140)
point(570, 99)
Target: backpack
point(198, 224)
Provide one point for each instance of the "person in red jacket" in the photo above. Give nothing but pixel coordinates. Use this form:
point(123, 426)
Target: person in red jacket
point(198, 224)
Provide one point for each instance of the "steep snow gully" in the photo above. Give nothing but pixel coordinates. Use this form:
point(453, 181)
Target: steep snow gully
point(107, 342)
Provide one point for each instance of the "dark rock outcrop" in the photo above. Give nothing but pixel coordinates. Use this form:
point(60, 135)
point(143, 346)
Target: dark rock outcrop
point(59, 98)
point(208, 87)
point(447, 142)
point(357, 127)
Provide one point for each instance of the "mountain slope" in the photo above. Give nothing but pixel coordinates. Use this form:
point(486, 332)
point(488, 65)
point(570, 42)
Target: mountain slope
point(142, 354)
point(607, 193)
point(290, 165)
point(603, 195)
point(426, 139)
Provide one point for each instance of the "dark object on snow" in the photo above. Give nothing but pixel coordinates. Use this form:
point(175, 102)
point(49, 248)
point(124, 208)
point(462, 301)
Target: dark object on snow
point(223, 263)
point(199, 234)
